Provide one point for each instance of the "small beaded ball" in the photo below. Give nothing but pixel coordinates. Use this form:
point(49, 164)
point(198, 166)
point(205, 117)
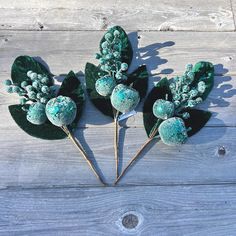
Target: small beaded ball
point(124, 66)
point(163, 109)
point(105, 85)
point(173, 131)
point(7, 82)
point(36, 113)
point(124, 98)
point(61, 110)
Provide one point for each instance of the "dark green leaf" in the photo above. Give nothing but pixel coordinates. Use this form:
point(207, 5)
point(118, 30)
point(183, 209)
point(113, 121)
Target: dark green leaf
point(71, 87)
point(103, 104)
point(126, 51)
point(160, 91)
point(22, 65)
point(197, 120)
point(45, 131)
point(204, 71)
point(139, 80)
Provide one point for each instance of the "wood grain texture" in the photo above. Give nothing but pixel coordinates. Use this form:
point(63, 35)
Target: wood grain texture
point(99, 15)
point(31, 162)
point(233, 7)
point(160, 210)
point(46, 188)
point(76, 48)
point(163, 52)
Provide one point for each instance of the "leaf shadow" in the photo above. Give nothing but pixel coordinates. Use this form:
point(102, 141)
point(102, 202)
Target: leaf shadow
point(219, 97)
point(44, 63)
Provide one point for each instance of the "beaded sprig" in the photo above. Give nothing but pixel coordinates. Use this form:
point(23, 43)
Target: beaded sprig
point(43, 111)
point(169, 112)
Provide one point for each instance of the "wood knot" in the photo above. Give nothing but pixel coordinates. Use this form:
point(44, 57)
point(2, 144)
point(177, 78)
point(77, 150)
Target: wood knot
point(40, 26)
point(130, 221)
point(221, 151)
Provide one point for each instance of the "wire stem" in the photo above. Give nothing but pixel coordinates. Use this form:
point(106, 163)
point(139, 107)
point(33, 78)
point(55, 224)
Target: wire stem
point(84, 154)
point(116, 143)
point(135, 158)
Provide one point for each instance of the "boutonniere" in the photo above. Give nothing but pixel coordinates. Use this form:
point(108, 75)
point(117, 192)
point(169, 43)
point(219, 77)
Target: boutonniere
point(169, 113)
point(112, 89)
point(44, 111)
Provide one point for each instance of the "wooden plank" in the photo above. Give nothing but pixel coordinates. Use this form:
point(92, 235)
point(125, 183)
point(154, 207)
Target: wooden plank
point(132, 15)
point(172, 51)
point(159, 210)
point(233, 4)
point(76, 48)
point(30, 162)
point(163, 52)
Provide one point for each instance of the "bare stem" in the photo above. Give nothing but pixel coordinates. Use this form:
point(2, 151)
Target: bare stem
point(116, 140)
point(135, 158)
point(84, 154)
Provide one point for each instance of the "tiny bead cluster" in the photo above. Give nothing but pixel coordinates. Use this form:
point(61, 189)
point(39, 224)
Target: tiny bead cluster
point(38, 88)
point(110, 57)
point(184, 95)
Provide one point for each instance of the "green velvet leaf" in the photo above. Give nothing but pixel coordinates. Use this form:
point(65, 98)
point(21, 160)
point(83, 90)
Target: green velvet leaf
point(158, 92)
point(103, 104)
point(126, 51)
point(139, 80)
point(197, 120)
point(204, 71)
point(22, 65)
point(72, 87)
point(44, 131)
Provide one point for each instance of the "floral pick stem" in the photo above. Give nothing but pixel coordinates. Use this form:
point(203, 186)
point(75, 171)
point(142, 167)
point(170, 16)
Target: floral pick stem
point(77, 144)
point(116, 140)
point(135, 158)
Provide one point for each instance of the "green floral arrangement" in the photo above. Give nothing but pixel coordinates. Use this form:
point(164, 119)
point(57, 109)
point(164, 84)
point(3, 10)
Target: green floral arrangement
point(169, 113)
point(110, 87)
point(50, 111)
point(44, 111)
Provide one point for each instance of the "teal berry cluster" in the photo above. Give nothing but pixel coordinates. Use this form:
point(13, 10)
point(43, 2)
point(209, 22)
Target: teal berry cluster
point(110, 56)
point(184, 95)
point(34, 93)
point(111, 64)
point(36, 88)
point(123, 97)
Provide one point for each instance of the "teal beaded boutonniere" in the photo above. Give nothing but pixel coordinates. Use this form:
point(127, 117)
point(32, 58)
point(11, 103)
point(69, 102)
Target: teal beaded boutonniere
point(46, 111)
point(169, 113)
point(111, 88)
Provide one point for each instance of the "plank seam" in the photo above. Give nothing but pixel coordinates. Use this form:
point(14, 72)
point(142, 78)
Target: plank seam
point(128, 30)
point(21, 188)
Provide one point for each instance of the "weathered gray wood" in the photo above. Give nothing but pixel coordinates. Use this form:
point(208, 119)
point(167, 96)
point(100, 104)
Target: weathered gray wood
point(233, 4)
point(75, 49)
point(163, 52)
point(99, 15)
point(50, 168)
point(175, 210)
point(30, 162)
